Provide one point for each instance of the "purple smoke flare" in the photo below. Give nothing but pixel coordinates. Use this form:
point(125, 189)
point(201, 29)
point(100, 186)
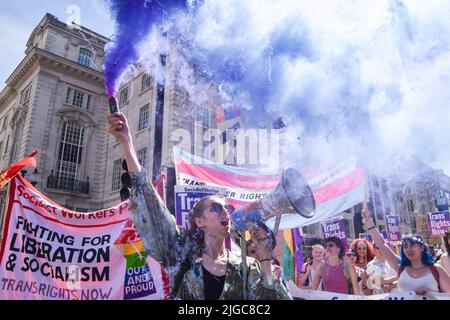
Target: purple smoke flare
point(134, 18)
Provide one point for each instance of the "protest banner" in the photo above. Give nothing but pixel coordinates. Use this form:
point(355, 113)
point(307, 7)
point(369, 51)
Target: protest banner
point(335, 228)
point(307, 294)
point(393, 228)
point(336, 187)
point(50, 252)
point(438, 223)
point(187, 196)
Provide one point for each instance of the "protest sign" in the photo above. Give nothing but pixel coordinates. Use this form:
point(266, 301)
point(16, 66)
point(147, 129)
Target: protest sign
point(438, 223)
point(50, 252)
point(393, 228)
point(335, 228)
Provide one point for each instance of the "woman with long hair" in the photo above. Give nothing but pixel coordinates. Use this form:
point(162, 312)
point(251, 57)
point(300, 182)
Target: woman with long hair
point(310, 268)
point(415, 266)
point(336, 274)
point(364, 252)
point(197, 262)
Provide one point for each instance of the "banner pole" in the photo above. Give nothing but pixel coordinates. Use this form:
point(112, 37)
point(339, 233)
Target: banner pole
point(244, 266)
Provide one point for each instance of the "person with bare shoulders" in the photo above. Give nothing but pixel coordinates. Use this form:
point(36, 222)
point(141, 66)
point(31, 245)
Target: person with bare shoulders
point(415, 266)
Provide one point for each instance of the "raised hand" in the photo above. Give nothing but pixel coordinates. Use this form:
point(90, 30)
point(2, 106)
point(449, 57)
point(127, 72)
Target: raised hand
point(118, 126)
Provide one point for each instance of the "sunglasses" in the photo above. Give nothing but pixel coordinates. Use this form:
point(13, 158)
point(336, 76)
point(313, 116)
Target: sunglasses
point(412, 240)
point(220, 208)
point(350, 254)
point(125, 178)
point(362, 248)
point(330, 245)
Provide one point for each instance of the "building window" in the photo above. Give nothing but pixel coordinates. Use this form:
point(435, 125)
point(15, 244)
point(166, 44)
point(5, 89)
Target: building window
point(88, 102)
point(77, 99)
point(70, 154)
point(5, 122)
point(142, 157)
point(202, 117)
point(6, 145)
point(68, 95)
point(123, 96)
point(117, 170)
point(146, 81)
point(17, 135)
point(144, 117)
point(84, 58)
point(25, 95)
point(411, 205)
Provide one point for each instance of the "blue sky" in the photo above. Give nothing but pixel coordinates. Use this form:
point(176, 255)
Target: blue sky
point(18, 18)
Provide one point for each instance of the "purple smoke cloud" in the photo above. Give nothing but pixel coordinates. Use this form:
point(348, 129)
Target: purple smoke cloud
point(134, 19)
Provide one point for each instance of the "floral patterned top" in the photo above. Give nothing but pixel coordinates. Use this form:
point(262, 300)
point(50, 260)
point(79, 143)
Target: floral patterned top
point(169, 245)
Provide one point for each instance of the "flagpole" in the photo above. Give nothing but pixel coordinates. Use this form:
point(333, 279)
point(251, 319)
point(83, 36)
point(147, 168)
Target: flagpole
point(244, 266)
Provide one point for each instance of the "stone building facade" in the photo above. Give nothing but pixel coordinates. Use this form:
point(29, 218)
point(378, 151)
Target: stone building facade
point(54, 103)
point(162, 114)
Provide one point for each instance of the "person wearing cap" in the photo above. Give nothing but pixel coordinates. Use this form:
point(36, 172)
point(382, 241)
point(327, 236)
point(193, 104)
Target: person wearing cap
point(197, 263)
point(415, 266)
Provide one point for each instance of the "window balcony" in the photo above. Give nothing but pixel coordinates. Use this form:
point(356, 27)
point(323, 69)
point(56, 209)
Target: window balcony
point(68, 184)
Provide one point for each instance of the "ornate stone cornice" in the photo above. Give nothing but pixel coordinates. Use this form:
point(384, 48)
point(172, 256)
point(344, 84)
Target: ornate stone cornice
point(37, 57)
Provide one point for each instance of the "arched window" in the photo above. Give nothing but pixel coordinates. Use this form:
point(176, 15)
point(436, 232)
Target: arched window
point(70, 154)
point(16, 139)
point(84, 58)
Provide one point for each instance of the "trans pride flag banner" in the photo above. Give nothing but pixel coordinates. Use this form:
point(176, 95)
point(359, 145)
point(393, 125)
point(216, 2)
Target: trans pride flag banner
point(52, 253)
point(336, 187)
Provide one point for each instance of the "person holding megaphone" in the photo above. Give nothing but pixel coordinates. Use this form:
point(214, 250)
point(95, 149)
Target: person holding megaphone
point(197, 262)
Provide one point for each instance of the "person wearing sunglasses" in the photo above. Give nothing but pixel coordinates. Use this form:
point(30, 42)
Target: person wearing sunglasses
point(196, 260)
point(415, 266)
point(364, 254)
point(335, 273)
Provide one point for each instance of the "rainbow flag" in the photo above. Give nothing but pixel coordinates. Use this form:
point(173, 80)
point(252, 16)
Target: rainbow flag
point(138, 274)
point(292, 254)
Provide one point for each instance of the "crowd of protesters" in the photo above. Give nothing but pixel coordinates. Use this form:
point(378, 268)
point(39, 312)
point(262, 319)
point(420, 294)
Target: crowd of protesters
point(370, 268)
point(201, 267)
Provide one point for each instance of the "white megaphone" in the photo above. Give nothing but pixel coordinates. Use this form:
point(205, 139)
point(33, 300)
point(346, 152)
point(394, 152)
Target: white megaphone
point(291, 197)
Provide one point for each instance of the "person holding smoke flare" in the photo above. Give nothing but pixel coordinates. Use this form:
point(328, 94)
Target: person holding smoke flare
point(197, 262)
point(415, 266)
